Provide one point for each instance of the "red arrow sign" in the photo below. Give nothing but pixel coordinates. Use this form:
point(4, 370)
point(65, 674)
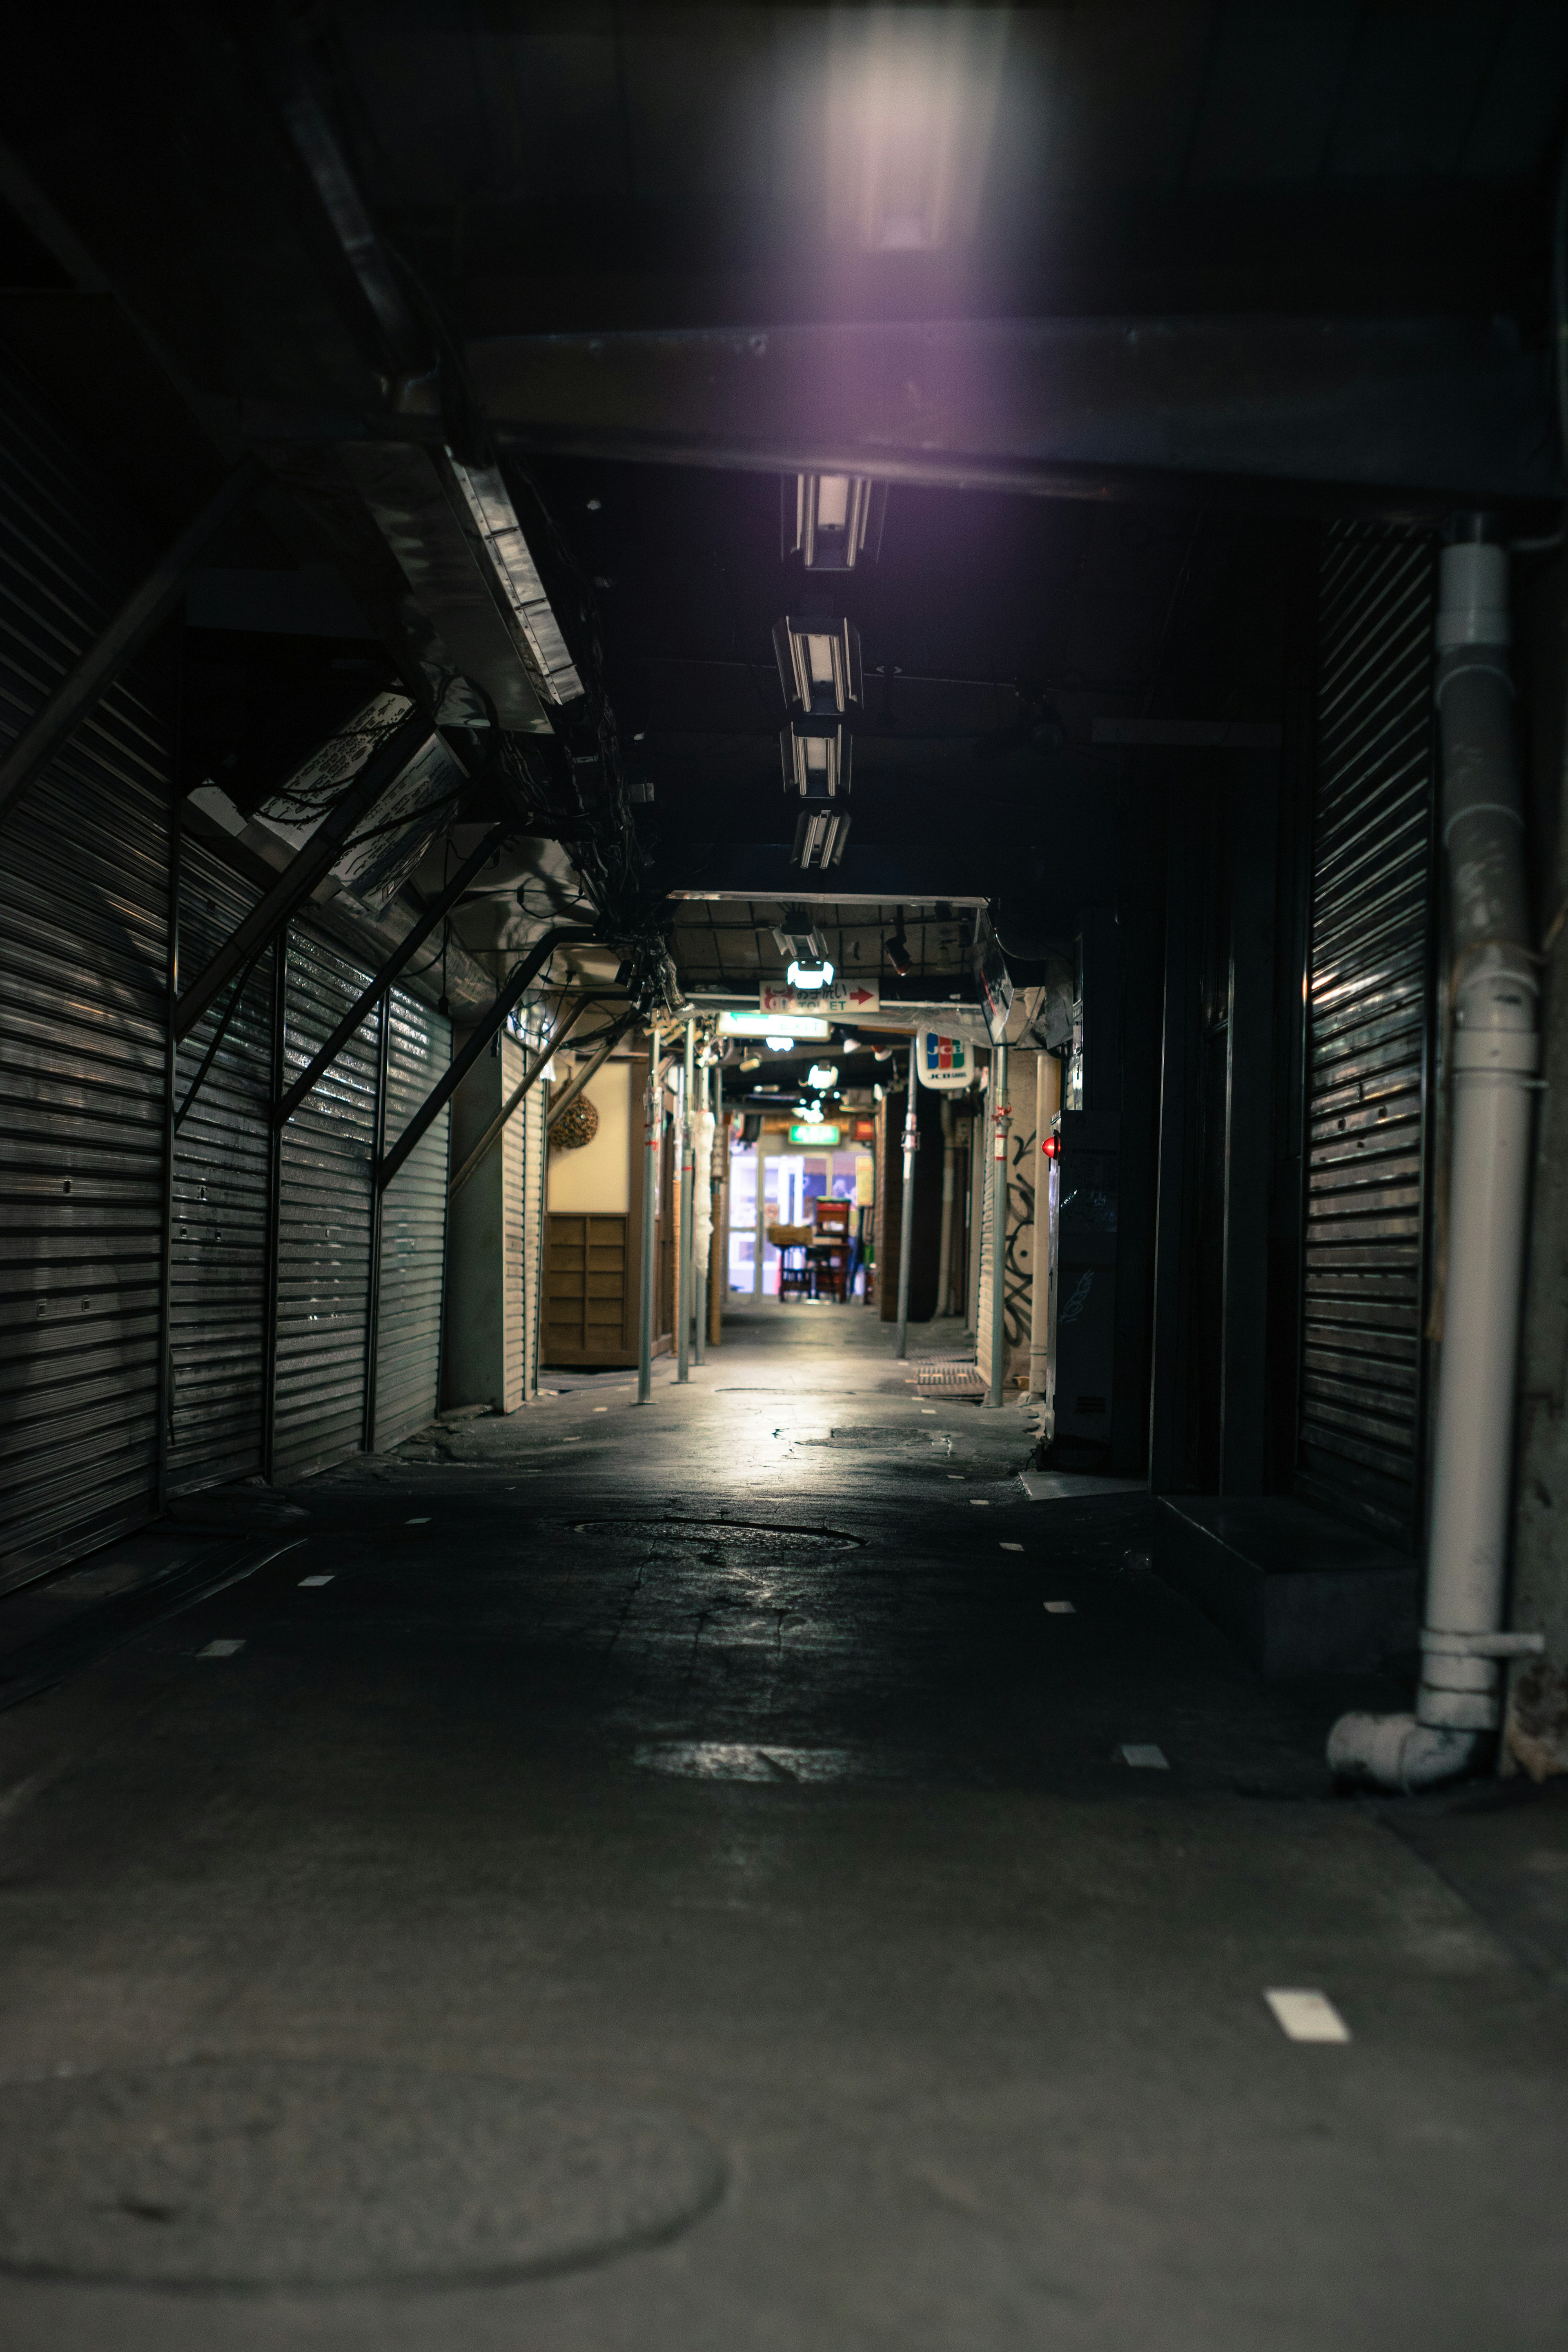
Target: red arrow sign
point(859, 996)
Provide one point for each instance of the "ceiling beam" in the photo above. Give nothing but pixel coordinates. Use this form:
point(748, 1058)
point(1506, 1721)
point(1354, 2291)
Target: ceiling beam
point(1416, 413)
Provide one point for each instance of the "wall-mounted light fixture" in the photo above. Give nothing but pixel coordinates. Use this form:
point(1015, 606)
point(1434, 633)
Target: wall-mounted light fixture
point(832, 522)
point(819, 663)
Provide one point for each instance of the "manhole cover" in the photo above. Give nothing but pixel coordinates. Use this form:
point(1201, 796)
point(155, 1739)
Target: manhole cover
point(733, 1535)
point(264, 2173)
point(902, 1435)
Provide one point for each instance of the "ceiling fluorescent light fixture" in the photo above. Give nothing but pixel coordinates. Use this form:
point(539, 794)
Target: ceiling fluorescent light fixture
point(832, 522)
point(494, 518)
point(816, 974)
point(819, 838)
point(822, 1074)
point(913, 97)
point(819, 663)
point(816, 757)
point(797, 936)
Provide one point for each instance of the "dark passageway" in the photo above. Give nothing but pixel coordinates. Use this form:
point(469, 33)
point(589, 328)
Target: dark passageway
point(783, 1176)
point(728, 1763)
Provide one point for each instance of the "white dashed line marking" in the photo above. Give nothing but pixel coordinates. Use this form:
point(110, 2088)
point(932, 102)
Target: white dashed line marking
point(1007, 1546)
point(416, 1523)
point(220, 1649)
point(314, 1579)
point(1061, 1609)
point(1308, 2016)
point(1144, 1754)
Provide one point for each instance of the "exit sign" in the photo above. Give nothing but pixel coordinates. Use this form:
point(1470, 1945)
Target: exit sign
point(809, 1130)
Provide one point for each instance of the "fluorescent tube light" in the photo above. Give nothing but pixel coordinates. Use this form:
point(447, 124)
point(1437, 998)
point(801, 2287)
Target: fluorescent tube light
point(819, 663)
point(832, 522)
point(804, 1028)
point(819, 838)
point(815, 754)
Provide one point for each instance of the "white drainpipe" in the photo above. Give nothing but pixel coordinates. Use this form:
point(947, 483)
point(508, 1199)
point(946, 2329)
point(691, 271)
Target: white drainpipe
point(1494, 988)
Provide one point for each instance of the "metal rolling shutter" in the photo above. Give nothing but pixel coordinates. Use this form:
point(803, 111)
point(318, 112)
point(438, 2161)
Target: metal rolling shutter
point(988, 1273)
point(219, 1236)
point(524, 1146)
point(515, 1299)
point(324, 1217)
point(413, 1229)
point(1369, 1033)
point(83, 1020)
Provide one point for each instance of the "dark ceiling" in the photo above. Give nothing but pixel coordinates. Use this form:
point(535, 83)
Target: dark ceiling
point(190, 279)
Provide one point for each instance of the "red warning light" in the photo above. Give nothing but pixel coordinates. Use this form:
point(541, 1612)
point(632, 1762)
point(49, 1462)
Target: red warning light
point(1052, 1147)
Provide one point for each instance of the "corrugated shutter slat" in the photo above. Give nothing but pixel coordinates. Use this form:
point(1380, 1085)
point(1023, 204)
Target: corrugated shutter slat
point(413, 1229)
point(1368, 1022)
point(83, 1012)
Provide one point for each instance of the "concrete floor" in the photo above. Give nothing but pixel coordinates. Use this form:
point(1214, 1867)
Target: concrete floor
point(813, 1829)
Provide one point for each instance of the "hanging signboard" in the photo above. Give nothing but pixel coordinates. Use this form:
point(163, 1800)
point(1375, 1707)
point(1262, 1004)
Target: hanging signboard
point(944, 1062)
point(844, 1001)
point(813, 1130)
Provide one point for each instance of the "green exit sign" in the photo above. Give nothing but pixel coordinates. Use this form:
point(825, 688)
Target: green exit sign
point(809, 1130)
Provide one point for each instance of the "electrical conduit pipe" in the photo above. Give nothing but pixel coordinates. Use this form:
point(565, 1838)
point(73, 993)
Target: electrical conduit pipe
point(701, 1211)
point(907, 1213)
point(1494, 991)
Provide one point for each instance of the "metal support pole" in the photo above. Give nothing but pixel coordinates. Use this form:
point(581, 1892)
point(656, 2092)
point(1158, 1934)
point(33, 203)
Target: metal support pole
point(944, 1245)
point(1047, 1103)
point(719, 1187)
point(171, 1127)
point(907, 1216)
point(1001, 1112)
point(377, 1207)
point(653, 1140)
point(699, 1269)
point(274, 1205)
point(683, 1265)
